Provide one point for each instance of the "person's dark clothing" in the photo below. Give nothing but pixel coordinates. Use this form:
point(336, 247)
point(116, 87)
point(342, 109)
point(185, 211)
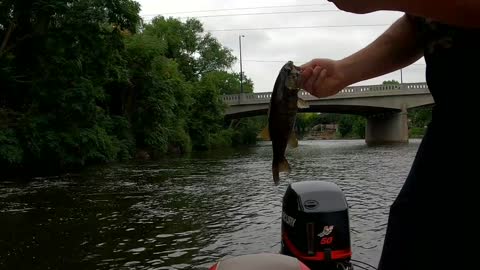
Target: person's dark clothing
point(428, 222)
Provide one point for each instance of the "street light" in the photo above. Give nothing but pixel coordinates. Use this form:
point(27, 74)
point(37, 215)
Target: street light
point(241, 68)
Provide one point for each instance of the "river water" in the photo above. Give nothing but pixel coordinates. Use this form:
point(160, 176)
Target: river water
point(188, 212)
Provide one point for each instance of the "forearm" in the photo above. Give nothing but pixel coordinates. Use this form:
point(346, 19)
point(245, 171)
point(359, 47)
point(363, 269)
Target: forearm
point(394, 49)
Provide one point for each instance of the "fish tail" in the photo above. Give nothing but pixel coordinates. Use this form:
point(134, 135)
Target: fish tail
point(276, 173)
point(277, 167)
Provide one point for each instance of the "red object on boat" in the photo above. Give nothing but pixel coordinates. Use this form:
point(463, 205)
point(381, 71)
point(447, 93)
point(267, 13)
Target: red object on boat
point(262, 261)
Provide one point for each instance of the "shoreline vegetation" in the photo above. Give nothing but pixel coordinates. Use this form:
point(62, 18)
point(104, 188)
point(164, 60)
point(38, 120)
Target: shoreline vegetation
point(89, 82)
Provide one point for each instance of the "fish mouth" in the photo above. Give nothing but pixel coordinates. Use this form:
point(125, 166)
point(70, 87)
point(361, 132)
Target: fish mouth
point(293, 81)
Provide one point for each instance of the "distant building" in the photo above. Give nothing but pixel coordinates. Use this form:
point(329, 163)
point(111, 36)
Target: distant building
point(325, 127)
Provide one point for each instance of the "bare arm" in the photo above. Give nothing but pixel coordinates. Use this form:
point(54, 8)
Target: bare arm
point(398, 47)
point(454, 12)
point(394, 49)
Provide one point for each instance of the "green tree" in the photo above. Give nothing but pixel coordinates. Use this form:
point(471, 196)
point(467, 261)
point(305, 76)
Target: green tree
point(195, 51)
point(207, 113)
point(56, 57)
point(419, 119)
point(156, 97)
point(306, 121)
point(352, 126)
point(171, 102)
point(345, 126)
point(201, 60)
point(359, 126)
point(81, 84)
point(243, 131)
point(229, 83)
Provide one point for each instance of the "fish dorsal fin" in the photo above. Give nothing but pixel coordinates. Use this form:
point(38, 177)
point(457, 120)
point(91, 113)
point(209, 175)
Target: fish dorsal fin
point(302, 104)
point(265, 134)
point(292, 140)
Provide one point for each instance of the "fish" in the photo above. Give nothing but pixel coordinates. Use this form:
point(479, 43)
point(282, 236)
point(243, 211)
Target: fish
point(282, 114)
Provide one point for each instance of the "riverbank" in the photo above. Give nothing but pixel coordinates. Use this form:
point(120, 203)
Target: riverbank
point(414, 133)
point(321, 135)
point(242, 141)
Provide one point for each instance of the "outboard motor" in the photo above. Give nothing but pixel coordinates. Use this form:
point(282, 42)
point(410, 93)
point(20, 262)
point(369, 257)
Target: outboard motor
point(315, 225)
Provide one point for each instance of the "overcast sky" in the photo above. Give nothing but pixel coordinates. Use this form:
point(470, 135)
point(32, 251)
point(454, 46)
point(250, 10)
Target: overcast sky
point(260, 47)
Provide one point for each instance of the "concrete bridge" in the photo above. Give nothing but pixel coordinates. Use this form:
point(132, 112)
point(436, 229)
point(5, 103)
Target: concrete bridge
point(384, 106)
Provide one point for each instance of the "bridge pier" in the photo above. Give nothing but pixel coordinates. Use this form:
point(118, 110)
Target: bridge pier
point(388, 128)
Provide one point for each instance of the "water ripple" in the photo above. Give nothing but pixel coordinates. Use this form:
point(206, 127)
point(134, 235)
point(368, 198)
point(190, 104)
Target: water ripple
point(188, 212)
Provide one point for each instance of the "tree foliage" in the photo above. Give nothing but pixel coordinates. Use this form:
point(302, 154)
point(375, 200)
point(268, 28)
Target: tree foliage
point(419, 120)
point(196, 52)
point(229, 83)
point(349, 126)
point(352, 126)
point(85, 82)
point(56, 57)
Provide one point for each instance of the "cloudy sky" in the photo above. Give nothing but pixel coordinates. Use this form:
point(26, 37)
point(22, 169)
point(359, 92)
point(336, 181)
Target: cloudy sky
point(265, 50)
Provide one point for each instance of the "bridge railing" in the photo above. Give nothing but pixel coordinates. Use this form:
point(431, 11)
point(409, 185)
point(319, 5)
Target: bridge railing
point(353, 91)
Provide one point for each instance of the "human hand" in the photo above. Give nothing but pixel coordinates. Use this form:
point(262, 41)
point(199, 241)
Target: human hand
point(323, 77)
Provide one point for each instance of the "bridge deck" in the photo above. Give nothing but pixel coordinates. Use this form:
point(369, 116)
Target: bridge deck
point(347, 93)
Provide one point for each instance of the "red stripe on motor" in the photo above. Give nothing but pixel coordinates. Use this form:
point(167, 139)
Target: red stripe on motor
point(319, 256)
point(214, 267)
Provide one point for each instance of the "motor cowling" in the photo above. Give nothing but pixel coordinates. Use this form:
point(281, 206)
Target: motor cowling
point(315, 224)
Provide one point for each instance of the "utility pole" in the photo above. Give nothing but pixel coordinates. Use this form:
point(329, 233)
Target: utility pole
point(241, 68)
point(401, 76)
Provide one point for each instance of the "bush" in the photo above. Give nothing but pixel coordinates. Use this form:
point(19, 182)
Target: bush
point(417, 132)
point(11, 152)
point(221, 139)
point(180, 141)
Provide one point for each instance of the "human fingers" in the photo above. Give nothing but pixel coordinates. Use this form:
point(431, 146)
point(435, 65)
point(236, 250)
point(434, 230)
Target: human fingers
point(305, 74)
point(320, 79)
point(317, 84)
point(310, 83)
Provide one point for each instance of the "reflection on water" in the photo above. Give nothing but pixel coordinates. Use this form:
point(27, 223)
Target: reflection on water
point(186, 213)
